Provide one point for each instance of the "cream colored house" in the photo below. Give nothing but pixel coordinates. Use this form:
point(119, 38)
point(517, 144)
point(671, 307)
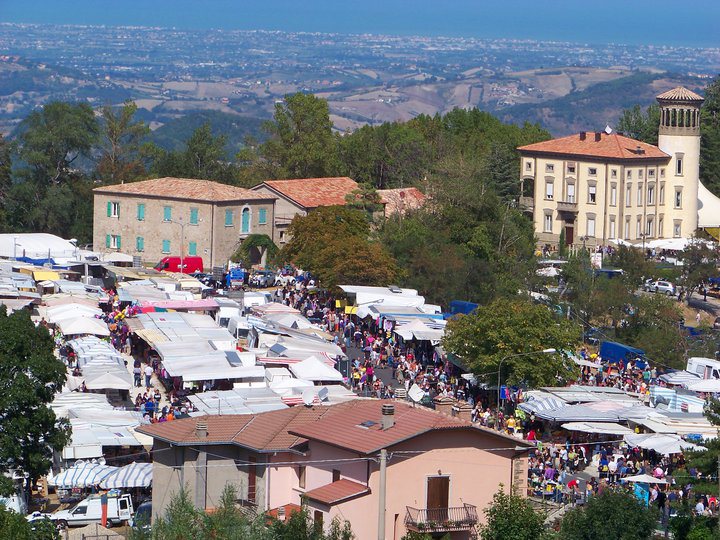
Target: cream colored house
point(601, 187)
point(179, 216)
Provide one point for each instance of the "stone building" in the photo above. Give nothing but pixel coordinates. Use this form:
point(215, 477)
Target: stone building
point(600, 187)
point(179, 216)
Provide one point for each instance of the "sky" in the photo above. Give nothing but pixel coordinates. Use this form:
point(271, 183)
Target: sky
point(651, 22)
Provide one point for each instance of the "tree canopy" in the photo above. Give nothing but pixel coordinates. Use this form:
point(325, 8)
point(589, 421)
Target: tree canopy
point(29, 377)
point(512, 516)
point(489, 340)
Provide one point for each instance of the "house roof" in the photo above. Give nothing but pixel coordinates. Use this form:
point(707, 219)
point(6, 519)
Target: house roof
point(265, 432)
point(313, 192)
point(597, 145)
point(184, 188)
point(342, 427)
point(400, 200)
point(679, 93)
point(337, 492)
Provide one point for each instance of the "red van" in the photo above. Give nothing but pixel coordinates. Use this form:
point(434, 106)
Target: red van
point(172, 264)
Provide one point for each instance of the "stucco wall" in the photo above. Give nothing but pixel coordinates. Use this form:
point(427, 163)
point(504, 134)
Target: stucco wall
point(285, 211)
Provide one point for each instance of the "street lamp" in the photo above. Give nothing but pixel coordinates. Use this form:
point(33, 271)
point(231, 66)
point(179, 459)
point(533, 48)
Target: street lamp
point(544, 351)
point(182, 242)
point(643, 236)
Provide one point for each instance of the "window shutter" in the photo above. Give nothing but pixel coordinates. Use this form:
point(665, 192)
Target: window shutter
point(141, 212)
point(192, 248)
point(118, 241)
point(193, 216)
point(107, 240)
point(109, 209)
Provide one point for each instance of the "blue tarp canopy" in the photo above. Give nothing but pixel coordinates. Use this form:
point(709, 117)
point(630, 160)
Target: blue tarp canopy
point(613, 352)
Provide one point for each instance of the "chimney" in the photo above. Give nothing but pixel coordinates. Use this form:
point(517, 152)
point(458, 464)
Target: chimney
point(388, 416)
point(444, 404)
point(462, 410)
point(201, 429)
point(639, 150)
point(598, 136)
point(583, 135)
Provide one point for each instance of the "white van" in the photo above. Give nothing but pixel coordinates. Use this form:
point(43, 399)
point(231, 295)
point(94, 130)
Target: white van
point(88, 511)
point(239, 328)
point(707, 368)
point(228, 309)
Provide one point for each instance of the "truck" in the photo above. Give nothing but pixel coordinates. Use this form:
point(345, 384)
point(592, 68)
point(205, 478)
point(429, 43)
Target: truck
point(89, 511)
point(190, 265)
point(707, 368)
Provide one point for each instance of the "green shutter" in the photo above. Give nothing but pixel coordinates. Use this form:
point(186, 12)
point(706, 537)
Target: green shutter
point(192, 248)
point(140, 243)
point(107, 240)
point(118, 241)
point(167, 213)
point(228, 218)
point(109, 209)
point(166, 246)
point(141, 212)
point(262, 216)
point(193, 216)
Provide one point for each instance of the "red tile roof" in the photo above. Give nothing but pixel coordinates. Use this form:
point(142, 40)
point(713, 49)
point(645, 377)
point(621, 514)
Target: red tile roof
point(184, 188)
point(337, 492)
point(400, 200)
point(314, 192)
point(679, 93)
point(612, 146)
point(264, 432)
point(342, 427)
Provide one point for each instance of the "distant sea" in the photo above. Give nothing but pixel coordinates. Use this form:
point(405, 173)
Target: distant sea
point(633, 22)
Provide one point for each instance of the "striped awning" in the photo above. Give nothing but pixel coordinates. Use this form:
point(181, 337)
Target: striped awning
point(129, 476)
point(82, 475)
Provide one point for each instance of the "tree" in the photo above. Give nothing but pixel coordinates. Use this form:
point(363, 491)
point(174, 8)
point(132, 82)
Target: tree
point(512, 516)
point(614, 514)
point(29, 377)
point(492, 334)
point(121, 136)
point(301, 143)
point(260, 242)
point(710, 138)
point(643, 126)
point(700, 262)
point(14, 526)
point(53, 138)
point(364, 198)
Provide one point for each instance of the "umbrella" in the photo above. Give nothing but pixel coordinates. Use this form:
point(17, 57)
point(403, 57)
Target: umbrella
point(129, 476)
point(707, 385)
point(83, 325)
point(644, 479)
point(82, 475)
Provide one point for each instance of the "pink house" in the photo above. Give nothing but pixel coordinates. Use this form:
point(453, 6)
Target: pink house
point(440, 471)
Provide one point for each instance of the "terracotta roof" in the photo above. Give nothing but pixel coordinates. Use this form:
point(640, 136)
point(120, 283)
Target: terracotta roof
point(598, 145)
point(400, 200)
point(337, 492)
point(342, 426)
point(680, 93)
point(184, 188)
point(314, 192)
point(264, 432)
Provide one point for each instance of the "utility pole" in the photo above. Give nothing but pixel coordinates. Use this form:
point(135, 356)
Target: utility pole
point(381, 494)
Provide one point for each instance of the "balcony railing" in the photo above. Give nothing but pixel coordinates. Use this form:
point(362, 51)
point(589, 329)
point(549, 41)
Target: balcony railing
point(527, 203)
point(563, 206)
point(456, 518)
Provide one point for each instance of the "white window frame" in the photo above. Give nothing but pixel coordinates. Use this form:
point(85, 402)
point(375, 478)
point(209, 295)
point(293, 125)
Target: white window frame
point(628, 196)
point(611, 228)
point(571, 198)
point(613, 194)
point(677, 199)
point(679, 164)
point(547, 222)
point(677, 228)
point(640, 194)
point(590, 226)
point(114, 209)
point(592, 194)
point(549, 190)
point(650, 194)
point(592, 171)
point(549, 168)
point(114, 241)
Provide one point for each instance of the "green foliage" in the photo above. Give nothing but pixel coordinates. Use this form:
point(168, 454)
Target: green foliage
point(333, 243)
point(203, 157)
point(260, 241)
point(640, 125)
point(512, 516)
point(700, 262)
point(615, 514)
point(710, 138)
point(364, 198)
point(29, 377)
point(487, 338)
point(14, 526)
point(121, 137)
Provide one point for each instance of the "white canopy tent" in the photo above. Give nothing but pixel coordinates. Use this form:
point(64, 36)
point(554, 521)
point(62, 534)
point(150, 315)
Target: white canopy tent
point(82, 475)
point(314, 369)
point(108, 380)
point(134, 475)
point(665, 444)
point(601, 428)
point(60, 312)
point(708, 208)
point(83, 326)
point(705, 385)
point(644, 479)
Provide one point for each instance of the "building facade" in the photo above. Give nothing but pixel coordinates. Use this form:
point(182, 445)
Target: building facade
point(593, 188)
point(178, 216)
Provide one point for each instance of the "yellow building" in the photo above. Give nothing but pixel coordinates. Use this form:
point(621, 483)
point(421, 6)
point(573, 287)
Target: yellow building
point(602, 187)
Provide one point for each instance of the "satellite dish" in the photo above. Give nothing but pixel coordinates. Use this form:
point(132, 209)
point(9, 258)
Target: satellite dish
point(608, 130)
point(415, 393)
point(323, 393)
point(308, 396)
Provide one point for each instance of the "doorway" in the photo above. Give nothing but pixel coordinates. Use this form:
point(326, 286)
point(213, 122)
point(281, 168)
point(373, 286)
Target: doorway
point(438, 496)
point(569, 235)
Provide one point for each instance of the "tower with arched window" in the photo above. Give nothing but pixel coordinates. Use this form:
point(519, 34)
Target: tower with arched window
point(679, 137)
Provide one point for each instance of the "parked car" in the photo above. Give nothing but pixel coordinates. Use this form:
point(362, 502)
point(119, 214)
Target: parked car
point(142, 517)
point(664, 287)
point(283, 280)
point(190, 264)
point(89, 511)
point(262, 279)
point(206, 279)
